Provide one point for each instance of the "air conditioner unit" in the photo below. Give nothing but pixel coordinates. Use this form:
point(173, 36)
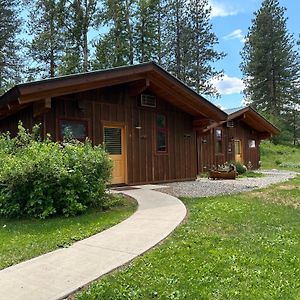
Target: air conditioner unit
point(148, 100)
point(230, 124)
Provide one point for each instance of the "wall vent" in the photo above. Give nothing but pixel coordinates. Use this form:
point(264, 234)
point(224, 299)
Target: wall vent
point(148, 100)
point(230, 124)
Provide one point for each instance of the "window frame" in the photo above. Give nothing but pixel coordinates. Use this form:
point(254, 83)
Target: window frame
point(73, 120)
point(219, 140)
point(163, 130)
point(251, 141)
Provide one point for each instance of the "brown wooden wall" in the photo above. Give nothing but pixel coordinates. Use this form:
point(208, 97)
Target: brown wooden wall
point(207, 156)
point(11, 123)
point(115, 105)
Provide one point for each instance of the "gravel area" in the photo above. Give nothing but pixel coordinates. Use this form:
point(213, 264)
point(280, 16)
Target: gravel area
point(205, 187)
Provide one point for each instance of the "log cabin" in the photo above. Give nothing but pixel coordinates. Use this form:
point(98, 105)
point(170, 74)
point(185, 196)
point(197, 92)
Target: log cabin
point(154, 127)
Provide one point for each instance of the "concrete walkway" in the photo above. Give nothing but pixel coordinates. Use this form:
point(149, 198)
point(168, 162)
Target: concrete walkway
point(57, 274)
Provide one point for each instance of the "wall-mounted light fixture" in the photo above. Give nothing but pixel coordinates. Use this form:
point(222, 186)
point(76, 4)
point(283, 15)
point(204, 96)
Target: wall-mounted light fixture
point(138, 126)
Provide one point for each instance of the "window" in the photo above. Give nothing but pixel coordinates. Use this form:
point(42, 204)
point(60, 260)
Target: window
point(252, 143)
point(73, 128)
point(219, 144)
point(237, 147)
point(161, 133)
point(113, 140)
point(219, 134)
point(218, 147)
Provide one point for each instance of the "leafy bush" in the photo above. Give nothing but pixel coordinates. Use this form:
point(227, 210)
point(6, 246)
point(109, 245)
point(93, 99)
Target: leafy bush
point(241, 169)
point(44, 178)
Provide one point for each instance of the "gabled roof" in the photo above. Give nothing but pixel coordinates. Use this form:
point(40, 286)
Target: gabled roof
point(250, 117)
point(253, 119)
point(158, 80)
point(233, 110)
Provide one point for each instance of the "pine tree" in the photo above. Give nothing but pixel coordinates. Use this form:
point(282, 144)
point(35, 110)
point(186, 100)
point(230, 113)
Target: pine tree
point(78, 18)
point(201, 53)
point(176, 37)
point(147, 30)
point(105, 53)
point(270, 63)
point(9, 44)
point(47, 44)
point(189, 44)
point(118, 41)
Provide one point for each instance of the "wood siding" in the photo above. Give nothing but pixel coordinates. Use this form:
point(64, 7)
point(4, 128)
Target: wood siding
point(11, 123)
point(115, 106)
point(207, 156)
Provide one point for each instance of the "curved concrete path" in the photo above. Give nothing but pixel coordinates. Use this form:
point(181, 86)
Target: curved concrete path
point(57, 274)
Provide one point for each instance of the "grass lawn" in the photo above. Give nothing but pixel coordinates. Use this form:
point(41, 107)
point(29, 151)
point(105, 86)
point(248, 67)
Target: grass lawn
point(245, 246)
point(251, 174)
point(24, 239)
point(280, 157)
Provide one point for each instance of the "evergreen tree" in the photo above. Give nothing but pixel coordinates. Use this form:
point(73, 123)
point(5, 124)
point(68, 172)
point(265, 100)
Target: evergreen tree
point(189, 44)
point(270, 63)
point(9, 45)
point(118, 42)
point(176, 38)
point(147, 30)
point(201, 53)
point(175, 33)
point(47, 44)
point(78, 18)
point(105, 50)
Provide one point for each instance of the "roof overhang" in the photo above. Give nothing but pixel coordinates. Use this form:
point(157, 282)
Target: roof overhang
point(160, 81)
point(251, 118)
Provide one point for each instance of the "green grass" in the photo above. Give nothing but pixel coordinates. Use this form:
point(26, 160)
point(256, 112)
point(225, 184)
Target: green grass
point(244, 246)
point(251, 174)
point(280, 157)
point(24, 239)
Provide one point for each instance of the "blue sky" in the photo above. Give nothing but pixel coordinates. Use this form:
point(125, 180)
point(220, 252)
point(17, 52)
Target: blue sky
point(231, 20)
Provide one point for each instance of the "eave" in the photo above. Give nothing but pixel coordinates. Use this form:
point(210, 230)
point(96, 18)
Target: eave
point(251, 118)
point(162, 82)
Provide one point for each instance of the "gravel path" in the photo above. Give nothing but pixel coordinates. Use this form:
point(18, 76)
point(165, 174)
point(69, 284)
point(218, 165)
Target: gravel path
point(204, 187)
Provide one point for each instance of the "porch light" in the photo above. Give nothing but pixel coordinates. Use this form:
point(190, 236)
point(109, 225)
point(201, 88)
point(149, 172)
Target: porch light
point(138, 126)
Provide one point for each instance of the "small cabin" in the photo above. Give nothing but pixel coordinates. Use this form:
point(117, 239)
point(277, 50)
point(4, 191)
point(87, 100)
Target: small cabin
point(155, 128)
point(235, 139)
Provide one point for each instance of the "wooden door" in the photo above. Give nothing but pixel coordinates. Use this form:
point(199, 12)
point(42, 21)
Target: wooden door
point(114, 140)
point(238, 151)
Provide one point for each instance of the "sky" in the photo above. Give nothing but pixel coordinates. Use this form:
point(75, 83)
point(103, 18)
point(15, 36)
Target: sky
point(231, 20)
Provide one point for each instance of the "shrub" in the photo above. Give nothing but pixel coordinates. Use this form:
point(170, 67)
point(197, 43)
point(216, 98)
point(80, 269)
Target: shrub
point(241, 169)
point(44, 178)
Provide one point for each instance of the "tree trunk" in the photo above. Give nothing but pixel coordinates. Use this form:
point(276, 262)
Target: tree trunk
point(178, 41)
point(85, 38)
point(129, 31)
point(52, 55)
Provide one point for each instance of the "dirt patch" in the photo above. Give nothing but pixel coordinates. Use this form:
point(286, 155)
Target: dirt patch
point(288, 187)
point(271, 197)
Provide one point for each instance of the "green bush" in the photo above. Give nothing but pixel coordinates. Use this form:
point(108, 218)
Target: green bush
point(241, 169)
point(45, 178)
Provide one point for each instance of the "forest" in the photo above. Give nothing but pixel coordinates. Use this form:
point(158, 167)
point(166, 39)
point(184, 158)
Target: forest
point(50, 38)
point(66, 37)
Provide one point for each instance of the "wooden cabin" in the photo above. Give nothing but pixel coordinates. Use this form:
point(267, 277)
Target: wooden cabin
point(236, 139)
point(143, 114)
point(155, 128)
